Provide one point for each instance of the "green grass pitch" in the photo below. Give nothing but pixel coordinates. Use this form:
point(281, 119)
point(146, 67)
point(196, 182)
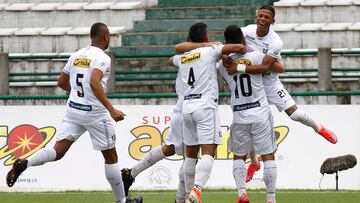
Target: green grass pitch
point(209, 196)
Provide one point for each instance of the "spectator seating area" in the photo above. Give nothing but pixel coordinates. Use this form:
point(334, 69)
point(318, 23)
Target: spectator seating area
point(144, 39)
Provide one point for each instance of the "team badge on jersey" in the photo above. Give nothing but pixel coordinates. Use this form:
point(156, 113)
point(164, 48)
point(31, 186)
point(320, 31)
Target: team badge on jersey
point(247, 62)
point(190, 58)
point(82, 62)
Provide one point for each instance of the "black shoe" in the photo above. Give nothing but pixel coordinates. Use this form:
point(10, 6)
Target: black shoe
point(18, 167)
point(135, 200)
point(127, 179)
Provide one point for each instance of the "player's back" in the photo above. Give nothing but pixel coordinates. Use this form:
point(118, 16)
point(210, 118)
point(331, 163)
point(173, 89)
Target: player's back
point(82, 100)
point(198, 73)
point(248, 98)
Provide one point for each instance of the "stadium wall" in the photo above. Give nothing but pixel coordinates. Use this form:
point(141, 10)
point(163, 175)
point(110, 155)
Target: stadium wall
point(299, 157)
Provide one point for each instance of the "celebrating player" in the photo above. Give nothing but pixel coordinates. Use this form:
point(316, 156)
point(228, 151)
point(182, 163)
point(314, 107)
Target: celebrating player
point(252, 119)
point(85, 76)
point(201, 124)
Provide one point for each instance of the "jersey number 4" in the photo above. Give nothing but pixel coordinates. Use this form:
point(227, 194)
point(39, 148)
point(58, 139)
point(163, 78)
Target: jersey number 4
point(245, 85)
point(191, 79)
point(79, 83)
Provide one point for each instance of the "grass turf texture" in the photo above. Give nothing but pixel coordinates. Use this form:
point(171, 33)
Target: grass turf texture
point(209, 196)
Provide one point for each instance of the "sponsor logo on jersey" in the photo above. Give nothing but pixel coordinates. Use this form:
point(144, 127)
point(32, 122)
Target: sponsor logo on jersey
point(190, 58)
point(23, 141)
point(82, 62)
point(243, 61)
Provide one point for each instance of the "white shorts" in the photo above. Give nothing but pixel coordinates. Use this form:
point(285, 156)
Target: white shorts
point(202, 127)
point(280, 98)
point(102, 132)
point(260, 134)
point(175, 136)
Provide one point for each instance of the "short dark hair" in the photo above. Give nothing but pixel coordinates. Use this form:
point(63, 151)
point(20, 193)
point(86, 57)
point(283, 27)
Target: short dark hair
point(197, 32)
point(233, 35)
point(95, 29)
point(269, 8)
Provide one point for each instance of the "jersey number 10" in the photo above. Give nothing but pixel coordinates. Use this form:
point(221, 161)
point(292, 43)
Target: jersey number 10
point(245, 85)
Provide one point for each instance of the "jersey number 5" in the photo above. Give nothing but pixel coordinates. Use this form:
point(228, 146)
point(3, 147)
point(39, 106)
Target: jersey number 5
point(246, 89)
point(78, 83)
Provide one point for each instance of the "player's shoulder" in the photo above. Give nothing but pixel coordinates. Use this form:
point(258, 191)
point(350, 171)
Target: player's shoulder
point(275, 38)
point(251, 28)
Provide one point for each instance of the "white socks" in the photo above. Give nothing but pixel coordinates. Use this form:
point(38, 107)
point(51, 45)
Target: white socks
point(180, 193)
point(114, 178)
point(42, 156)
point(189, 173)
point(270, 175)
point(305, 119)
point(204, 170)
point(239, 173)
point(150, 159)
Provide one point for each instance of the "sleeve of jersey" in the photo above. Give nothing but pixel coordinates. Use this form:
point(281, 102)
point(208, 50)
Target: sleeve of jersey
point(222, 71)
point(68, 65)
point(176, 60)
point(275, 50)
point(102, 65)
point(218, 50)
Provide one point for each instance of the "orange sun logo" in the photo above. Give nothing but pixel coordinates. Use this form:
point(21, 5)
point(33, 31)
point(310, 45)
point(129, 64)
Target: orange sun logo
point(23, 141)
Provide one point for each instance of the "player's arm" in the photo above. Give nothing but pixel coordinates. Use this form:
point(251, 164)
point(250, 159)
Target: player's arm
point(64, 82)
point(98, 90)
point(233, 48)
point(171, 61)
point(267, 63)
point(188, 46)
point(277, 67)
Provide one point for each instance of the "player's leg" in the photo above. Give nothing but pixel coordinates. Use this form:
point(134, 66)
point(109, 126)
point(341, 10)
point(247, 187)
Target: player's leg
point(68, 133)
point(191, 150)
point(103, 138)
point(155, 155)
point(264, 143)
point(209, 136)
point(180, 192)
point(301, 116)
point(239, 144)
point(270, 176)
point(284, 102)
point(254, 165)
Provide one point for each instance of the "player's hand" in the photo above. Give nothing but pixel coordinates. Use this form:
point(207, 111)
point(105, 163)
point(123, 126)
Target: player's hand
point(232, 69)
point(227, 60)
point(117, 115)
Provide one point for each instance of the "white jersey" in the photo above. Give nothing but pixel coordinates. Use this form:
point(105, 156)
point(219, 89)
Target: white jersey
point(179, 88)
point(271, 45)
point(198, 74)
point(82, 101)
point(248, 97)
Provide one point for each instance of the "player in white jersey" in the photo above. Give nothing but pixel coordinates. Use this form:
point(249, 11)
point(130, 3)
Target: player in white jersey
point(201, 124)
point(262, 38)
point(252, 119)
point(85, 76)
point(172, 144)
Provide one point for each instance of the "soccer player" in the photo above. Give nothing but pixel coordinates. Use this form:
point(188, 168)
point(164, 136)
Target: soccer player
point(262, 38)
point(85, 76)
point(252, 119)
point(201, 123)
point(172, 144)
